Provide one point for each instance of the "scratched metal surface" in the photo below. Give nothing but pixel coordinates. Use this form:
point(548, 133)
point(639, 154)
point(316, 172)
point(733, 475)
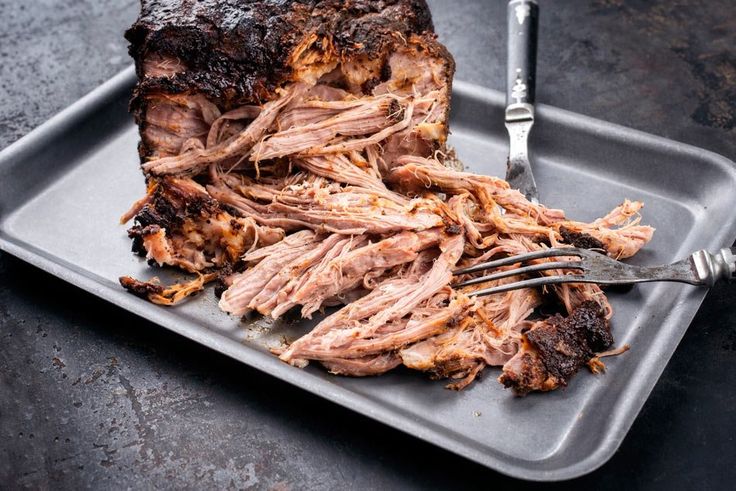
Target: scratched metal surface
point(669, 73)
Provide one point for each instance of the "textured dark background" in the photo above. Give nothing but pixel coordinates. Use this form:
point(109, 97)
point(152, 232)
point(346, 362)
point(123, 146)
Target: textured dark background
point(91, 396)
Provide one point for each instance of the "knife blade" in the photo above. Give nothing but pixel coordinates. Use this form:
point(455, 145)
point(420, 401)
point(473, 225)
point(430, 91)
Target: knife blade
point(522, 19)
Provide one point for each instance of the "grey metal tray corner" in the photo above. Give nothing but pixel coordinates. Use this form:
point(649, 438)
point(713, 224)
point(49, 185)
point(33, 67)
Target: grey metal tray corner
point(63, 187)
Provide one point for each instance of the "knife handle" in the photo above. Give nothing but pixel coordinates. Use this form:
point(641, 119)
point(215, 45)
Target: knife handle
point(521, 68)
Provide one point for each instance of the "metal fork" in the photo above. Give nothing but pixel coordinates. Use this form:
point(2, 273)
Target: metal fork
point(521, 68)
point(701, 268)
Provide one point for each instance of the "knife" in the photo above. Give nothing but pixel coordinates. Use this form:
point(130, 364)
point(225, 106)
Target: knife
point(522, 18)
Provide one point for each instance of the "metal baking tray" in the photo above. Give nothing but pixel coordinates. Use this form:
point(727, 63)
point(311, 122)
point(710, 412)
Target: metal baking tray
point(64, 186)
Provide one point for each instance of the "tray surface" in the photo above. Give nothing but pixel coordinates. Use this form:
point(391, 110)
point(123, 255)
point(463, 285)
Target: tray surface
point(64, 186)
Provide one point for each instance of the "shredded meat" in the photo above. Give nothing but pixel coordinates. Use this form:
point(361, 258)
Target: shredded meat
point(306, 168)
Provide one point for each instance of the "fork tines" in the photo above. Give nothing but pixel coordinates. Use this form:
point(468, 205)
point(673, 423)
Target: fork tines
point(529, 283)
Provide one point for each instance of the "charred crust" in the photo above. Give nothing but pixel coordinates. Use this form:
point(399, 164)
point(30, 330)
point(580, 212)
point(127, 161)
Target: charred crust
point(369, 85)
point(140, 231)
point(395, 111)
point(580, 240)
point(173, 206)
point(590, 319)
point(220, 288)
point(531, 375)
point(230, 210)
point(198, 206)
point(453, 368)
point(160, 212)
point(561, 351)
point(242, 49)
point(385, 71)
point(236, 53)
point(169, 207)
point(235, 225)
point(137, 233)
point(221, 283)
point(140, 288)
point(137, 247)
point(565, 344)
point(453, 229)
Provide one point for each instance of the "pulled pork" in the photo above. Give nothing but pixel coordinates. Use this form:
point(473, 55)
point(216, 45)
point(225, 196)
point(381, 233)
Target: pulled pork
point(323, 183)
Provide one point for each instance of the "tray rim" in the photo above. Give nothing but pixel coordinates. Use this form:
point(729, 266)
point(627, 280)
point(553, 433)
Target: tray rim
point(523, 469)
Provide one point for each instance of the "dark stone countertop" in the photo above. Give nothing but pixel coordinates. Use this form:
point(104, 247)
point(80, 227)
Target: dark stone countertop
point(91, 396)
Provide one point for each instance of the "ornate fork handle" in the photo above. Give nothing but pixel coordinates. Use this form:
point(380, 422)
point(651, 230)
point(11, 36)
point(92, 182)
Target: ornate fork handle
point(710, 268)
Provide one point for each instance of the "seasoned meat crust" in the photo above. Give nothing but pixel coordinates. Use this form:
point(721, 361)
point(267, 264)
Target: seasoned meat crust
point(553, 350)
point(235, 52)
point(581, 240)
point(565, 344)
point(245, 45)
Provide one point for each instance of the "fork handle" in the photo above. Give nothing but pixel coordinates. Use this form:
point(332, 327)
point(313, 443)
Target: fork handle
point(711, 268)
point(522, 18)
point(727, 258)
